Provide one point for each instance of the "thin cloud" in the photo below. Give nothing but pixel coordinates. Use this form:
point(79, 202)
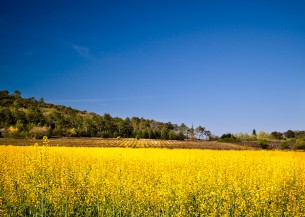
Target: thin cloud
point(82, 51)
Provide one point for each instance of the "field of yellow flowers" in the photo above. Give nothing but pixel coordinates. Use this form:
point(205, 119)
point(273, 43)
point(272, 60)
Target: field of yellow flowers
point(67, 181)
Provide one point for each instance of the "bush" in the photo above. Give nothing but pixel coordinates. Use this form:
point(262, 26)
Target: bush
point(299, 144)
point(105, 135)
point(38, 132)
point(263, 143)
point(228, 137)
point(284, 145)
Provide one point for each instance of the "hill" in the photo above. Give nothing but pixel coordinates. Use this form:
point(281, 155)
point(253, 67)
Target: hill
point(31, 118)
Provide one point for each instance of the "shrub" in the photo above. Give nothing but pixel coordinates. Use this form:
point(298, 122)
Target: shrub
point(228, 137)
point(263, 143)
point(72, 132)
point(284, 145)
point(299, 144)
point(105, 135)
point(38, 132)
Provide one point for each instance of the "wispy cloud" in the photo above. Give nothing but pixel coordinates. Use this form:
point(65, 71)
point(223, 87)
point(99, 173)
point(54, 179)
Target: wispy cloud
point(82, 51)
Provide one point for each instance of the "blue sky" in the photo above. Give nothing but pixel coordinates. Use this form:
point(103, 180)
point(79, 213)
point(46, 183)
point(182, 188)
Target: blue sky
point(231, 66)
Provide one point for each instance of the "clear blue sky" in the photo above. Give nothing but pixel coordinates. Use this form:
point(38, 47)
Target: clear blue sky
point(231, 66)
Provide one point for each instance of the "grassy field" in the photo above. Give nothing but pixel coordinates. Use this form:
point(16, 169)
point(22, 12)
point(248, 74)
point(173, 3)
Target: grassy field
point(78, 181)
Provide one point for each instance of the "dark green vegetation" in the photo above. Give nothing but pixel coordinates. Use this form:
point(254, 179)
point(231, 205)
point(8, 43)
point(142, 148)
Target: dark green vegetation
point(263, 143)
point(31, 118)
point(228, 137)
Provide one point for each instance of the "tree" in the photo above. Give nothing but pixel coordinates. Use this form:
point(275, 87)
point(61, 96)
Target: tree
point(208, 134)
point(21, 118)
point(144, 134)
point(289, 134)
point(38, 132)
point(17, 93)
point(4, 93)
point(164, 133)
point(263, 143)
point(262, 135)
point(127, 128)
point(254, 136)
point(135, 123)
point(6, 117)
point(277, 135)
point(35, 116)
point(200, 131)
point(108, 124)
point(183, 129)
point(171, 135)
point(41, 100)
point(191, 132)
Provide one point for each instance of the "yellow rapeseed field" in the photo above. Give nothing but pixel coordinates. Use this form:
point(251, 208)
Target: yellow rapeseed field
point(60, 181)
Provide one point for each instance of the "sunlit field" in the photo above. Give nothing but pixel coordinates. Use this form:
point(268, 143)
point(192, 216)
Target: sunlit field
point(75, 181)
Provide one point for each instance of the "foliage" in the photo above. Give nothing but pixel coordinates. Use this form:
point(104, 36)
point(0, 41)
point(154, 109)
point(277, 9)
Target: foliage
point(37, 119)
point(228, 137)
point(284, 145)
point(55, 181)
point(262, 135)
point(243, 136)
point(289, 134)
point(299, 144)
point(263, 143)
point(277, 135)
point(38, 132)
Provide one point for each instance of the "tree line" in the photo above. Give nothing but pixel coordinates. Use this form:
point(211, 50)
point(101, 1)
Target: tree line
point(31, 118)
point(275, 135)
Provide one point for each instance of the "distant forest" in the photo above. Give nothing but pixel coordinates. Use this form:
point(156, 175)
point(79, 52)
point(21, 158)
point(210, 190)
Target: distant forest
point(31, 118)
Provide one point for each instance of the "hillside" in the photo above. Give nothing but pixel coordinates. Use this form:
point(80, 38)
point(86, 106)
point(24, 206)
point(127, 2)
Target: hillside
point(31, 118)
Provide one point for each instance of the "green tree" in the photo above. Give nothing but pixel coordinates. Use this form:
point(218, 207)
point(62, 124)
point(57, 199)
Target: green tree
point(254, 136)
point(164, 133)
point(183, 129)
point(144, 134)
point(17, 94)
point(171, 135)
point(41, 100)
point(191, 133)
point(4, 94)
point(284, 145)
point(289, 134)
point(6, 118)
point(208, 134)
point(263, 143)
point(262, 135)
point(200, 131)
point(276, 135)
